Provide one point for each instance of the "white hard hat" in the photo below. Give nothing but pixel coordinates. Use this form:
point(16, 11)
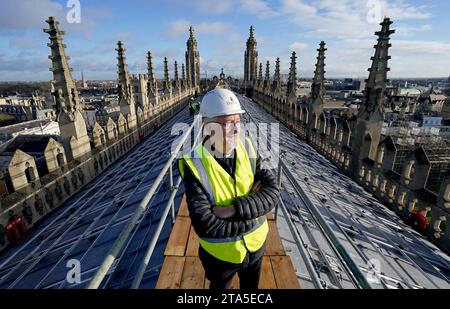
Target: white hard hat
point(220, 102)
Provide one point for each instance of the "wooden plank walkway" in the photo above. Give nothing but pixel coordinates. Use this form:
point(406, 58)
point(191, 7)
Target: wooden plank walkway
point(182, 269)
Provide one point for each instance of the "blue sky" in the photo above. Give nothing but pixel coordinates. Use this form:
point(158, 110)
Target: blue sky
point(421, 46)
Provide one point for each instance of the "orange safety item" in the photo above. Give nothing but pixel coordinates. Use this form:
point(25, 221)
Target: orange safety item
point(16, 229)
point(418, 221)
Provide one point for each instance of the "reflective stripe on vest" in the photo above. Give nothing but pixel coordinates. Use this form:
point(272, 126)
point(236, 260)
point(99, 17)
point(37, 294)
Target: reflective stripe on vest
point(222, 190)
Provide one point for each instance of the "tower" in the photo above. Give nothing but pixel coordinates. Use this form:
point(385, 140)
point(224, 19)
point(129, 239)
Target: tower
point(152, 85)
point(68, 105)
point(291, 90)
point(317, 89)
point(126, 96)
point(192, 61)
point(276, 84)
point(370, 116)
point(167, 84)
point(139, 84)
point(250, 60)
point(260, 75)
point(84, 84)
point(267, 77)
point(176, 79)
point(183, 77)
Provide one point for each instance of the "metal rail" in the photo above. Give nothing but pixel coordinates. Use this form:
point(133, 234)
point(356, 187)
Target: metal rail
point(337, 246)
point(357, 199)
point(124, 235)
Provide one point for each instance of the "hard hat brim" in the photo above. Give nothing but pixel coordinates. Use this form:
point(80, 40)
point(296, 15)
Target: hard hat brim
point(225, 114)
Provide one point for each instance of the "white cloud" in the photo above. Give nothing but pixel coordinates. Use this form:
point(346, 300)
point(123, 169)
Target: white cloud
point(298, 47)
point(422, 47)
point(258, 7)
point(347, 19)
point(180, 28)
point(27, 14)
point(407, 30)
point(214, 28)
point(31, 14)
point(401, 10)
point(177, 28)
point(211, 7)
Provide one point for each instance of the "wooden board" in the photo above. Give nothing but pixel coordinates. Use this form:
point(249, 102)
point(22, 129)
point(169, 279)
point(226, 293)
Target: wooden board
point(284, 272)
point(267, 279)
point(193, 274)
point(177, 243)
point(235, 282)
point(183, 269)
point(183, 211)
point(171, 273)
point(274, 246)
point(193, 243)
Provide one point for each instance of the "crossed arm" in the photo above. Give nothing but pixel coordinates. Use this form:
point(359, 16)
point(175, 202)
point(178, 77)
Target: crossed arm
point(264, 197)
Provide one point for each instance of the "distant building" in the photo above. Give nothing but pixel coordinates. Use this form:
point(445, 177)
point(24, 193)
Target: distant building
point(102, 114)
point(26, 109)
point(89, 115)
point(33, 127)
point(405, 165)
point(303, 88)
point(435, 102)
point(431, 121)
point(29, 150)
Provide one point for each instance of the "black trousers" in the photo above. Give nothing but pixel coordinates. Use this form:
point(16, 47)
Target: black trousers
point(221, 273)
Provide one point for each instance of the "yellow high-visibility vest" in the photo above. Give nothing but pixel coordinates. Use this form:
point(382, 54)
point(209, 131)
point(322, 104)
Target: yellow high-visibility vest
point(222, 190)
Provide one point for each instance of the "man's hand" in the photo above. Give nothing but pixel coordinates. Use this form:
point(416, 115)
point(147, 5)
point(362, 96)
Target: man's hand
point(256, 186)
point(228, 212)
point(224, 212)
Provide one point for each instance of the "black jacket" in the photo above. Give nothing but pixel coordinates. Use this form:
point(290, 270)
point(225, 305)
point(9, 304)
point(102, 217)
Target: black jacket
point(248, 208)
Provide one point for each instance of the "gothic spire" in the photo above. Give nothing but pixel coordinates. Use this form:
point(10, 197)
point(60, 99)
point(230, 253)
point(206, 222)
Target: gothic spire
point(260, 74)
point(183, 72)
point(267, 75)
point(251, 33)
point(251, 42)
point(176, 71)
point(277, 75)
point(66, 93)
point(183, 75)
point(376, 83)
point(191, 41)
point(276, 84)
point(292, 81)
point(192, 61)
point(125, 89)
point(151, 82)
point(150, 72)
point(369, 124)
point(251, 59)
point(166, 75)
point(176, 79)
point(318, 89)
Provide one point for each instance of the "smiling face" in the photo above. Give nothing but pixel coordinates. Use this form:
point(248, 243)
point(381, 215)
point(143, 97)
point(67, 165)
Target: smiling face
point(224, 132)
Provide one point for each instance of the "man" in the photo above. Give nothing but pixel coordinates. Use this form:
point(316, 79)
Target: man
point(228, 195)
point(191, 106)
